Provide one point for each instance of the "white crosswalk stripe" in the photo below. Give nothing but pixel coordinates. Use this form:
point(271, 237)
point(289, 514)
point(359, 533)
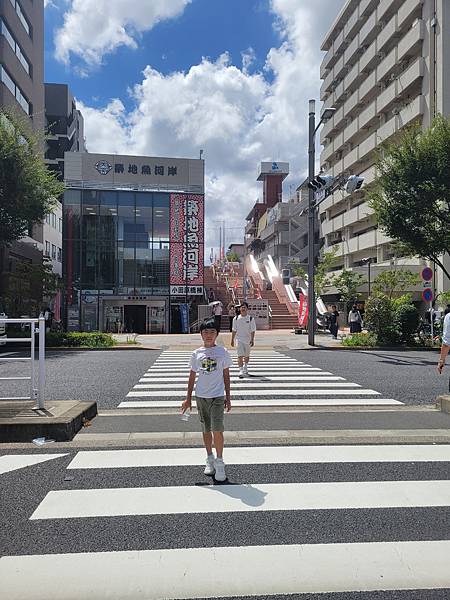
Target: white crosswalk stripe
point(274, 380)
point(161, 564)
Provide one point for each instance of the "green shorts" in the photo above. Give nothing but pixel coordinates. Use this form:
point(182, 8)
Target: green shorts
point(210, 412)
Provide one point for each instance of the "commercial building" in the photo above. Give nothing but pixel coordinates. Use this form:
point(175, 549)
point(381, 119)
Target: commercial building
point(22, 90)
point(65, 126)
point(387, 66)
point(133, 247)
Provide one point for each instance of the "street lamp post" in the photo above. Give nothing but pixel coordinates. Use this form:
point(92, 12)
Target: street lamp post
point(327, 114)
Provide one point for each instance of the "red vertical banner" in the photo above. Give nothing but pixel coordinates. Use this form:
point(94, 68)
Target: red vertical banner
point(187, 222)
point(303, 311)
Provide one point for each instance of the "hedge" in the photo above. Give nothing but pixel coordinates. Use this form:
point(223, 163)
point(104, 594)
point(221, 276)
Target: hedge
point(94, 339)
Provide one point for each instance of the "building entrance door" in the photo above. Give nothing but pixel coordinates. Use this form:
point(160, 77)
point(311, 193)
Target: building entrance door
point(135, 318)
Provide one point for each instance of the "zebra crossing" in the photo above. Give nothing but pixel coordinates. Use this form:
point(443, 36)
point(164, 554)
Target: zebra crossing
point(275, 380)
point(290, 520)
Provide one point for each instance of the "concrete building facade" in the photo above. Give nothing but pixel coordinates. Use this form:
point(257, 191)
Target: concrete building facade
point(387, 65)
point(65, 126)
point(22, 90)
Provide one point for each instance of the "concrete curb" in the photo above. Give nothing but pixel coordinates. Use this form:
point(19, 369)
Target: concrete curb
point(443, 404)
point(371, 348)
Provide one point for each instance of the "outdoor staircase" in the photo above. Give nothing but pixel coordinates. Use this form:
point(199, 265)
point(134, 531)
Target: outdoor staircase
point(281, 317)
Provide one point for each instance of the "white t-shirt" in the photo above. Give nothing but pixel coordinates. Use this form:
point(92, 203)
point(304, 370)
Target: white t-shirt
point(217, 310)
point(244, 327)
point(209, 364)
point(446, 330)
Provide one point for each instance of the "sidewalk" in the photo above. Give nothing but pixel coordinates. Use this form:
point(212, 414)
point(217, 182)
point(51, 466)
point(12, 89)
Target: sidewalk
point(282, 339)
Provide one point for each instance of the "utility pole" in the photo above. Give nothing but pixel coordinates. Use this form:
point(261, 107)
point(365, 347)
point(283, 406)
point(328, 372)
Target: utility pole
point(311, 223)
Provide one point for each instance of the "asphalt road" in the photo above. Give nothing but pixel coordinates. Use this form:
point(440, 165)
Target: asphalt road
point(407, 376)
point(23, 490)
point(107, 376)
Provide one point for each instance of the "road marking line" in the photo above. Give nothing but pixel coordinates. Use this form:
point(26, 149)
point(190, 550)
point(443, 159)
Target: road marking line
point(257, 497)
point(12, 462)
point(198, 572)
point(262, 455)
point(318, 377)
point(272, 402)
point(242, 384)
point(244, 392)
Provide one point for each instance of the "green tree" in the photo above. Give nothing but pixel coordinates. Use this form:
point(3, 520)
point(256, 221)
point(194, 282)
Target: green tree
point(443, 298)
point(411, 195)
point(27, 188)
point(394, 281)
point(322, 278)
point(29, 287)
point(347, 284)
point(379, 319)
point(233, 257)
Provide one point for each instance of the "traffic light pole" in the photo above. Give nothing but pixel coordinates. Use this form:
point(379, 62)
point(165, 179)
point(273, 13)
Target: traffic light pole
point(311, 224)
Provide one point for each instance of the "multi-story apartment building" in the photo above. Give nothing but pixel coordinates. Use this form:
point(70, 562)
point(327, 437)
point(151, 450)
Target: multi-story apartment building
point(22, 90)
point(386, 66)
point(65, 126)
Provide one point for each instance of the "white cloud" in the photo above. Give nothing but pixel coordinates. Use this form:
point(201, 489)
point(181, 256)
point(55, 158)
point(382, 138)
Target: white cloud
point(93, 28)
point(238, 118)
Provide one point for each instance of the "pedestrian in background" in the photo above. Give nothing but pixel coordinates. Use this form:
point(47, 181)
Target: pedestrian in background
point(231, 314)
point(212, 395)
point(217, 312)
point(355, 320)
point(211, 295)
point(334, 321)
point(445, 340)
point(244, 328)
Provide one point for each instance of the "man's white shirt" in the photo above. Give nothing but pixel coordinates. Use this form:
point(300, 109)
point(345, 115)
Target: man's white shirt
point(244, 327)
point(209, 364)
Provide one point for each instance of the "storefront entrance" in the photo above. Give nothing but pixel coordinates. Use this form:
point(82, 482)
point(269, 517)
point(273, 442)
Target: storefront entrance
point(135, 317)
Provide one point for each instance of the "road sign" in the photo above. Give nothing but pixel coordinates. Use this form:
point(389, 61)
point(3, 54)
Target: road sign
point(427, 294)
point(427, 274)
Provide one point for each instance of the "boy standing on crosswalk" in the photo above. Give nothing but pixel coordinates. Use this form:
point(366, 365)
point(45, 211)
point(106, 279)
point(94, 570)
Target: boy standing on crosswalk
point(244, 328)
point(212, 364)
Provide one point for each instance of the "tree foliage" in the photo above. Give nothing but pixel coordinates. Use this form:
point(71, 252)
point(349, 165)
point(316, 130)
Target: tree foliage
point(29, 286)
point(322, 278)
point(27, 188)
point(394, 281)
point(348, 284)
point(233, 257)
point(411, 196)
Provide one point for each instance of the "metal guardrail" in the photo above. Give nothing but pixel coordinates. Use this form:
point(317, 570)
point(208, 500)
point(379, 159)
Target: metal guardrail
point(36, 393)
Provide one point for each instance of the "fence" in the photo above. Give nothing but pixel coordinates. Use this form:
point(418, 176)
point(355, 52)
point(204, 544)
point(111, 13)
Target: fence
point(36, 393)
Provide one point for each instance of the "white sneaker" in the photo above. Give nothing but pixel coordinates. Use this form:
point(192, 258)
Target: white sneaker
point(245, 370)
point(241, 373)
point(210, 468)
point(220, 474)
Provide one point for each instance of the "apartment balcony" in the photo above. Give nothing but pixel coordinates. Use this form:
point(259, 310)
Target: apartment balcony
point(350, 158)
point(351, 50)
point(351, 104)
point(386, 7)
point(410, 77)
point(410, 44)
point(387, 130)
point(412, 111)
point(407, 12)
point(328, 61)
point(327, 152)
point(366, 6)
point(325, 87)
point(368, 116)
point(367, 146)
point(367, 89)
point(367, 31)
point(351, 27)
point(387, 98)
point(387, 65)
point(387, 34)
point(369, 58)
point(250, 227)
point(338, 43)
point(356, 214)
point(361, 242)
point(338, 69)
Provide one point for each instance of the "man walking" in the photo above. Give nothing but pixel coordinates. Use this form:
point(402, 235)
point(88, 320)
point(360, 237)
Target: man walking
point(244, 328)
point(217, 312)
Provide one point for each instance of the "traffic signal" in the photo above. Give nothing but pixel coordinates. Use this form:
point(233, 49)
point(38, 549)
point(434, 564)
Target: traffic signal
point(321, 182)
point(354, 183)
point(286, 275)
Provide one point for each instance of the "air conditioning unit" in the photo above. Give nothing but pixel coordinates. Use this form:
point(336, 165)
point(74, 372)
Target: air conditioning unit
point(381, 55)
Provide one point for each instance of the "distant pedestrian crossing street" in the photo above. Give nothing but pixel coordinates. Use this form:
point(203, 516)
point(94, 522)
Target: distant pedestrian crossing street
point(274, 379)
point(122, 533)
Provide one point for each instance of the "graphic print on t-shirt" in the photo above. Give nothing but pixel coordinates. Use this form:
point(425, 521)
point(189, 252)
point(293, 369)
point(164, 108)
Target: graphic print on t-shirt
point(209, 365)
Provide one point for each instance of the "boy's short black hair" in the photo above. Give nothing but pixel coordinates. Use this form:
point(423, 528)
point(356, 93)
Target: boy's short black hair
point(208, 324)
point(243, 304)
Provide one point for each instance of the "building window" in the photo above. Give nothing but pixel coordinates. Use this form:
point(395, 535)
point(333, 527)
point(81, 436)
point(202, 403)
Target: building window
point(47, 218)
point(47, 248)
point(54, 220)
point(54, 251)
point(14, 89)
point(21, 15)
point(59, 256)
point(15, 46)
point(60, 225)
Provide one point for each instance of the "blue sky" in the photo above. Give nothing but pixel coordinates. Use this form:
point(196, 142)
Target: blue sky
point(167, 78)
point(207, 28)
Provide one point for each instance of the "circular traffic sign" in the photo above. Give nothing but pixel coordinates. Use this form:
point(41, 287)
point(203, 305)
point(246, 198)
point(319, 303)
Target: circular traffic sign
point(427, 274)
point(427, 294)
